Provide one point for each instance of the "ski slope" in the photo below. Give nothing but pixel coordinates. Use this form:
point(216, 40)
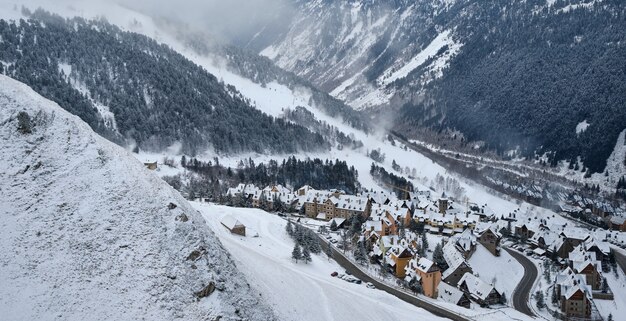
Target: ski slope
point(299, 291)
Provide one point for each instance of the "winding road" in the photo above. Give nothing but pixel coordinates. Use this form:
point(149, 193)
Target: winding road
point(521, 294)
point(357, 272)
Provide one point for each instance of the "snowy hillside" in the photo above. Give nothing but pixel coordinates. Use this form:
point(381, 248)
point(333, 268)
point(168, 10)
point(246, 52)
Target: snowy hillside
point(300, 291)
point(90, 234)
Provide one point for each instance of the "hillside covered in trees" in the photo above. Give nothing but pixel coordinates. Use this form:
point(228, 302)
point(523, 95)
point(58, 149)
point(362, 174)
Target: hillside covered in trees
point(129, 88)
point(527, 75)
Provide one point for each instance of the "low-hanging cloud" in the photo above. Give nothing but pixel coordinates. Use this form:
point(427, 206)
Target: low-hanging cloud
point(230, 20)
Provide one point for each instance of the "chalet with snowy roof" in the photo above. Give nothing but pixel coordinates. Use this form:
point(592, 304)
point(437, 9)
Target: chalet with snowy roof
point(379, 197)
point(572, 237)
point(233, 225)
point(478, 290)
point(270, 195)
point(247, 189)
point(526, 230)
point(430, 276)
point(585, 263)
point(574, 294)
point(302, 191)
point(490, 239)
point(398, 257)
point(600, 248)
point(465, 243)
point(450, 294)
point(618, 223)
point(346, 206)
point(457, 265)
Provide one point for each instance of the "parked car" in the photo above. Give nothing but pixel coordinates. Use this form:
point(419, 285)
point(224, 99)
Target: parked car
point(370, 285)
point(334, 274)
point(348, 272)
point(341, 276)
point(358, 281)
point(529, 253)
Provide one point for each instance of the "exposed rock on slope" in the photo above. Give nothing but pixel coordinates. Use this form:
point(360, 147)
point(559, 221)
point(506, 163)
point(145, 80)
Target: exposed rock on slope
point(89, 234)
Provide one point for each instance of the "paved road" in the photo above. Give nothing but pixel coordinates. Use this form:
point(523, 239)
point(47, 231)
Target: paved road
point(350, 267)
point(522, 291)
point(620, 258)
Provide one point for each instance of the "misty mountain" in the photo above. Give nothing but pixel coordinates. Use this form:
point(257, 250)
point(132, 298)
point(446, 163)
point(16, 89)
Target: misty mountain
point(514, 75)
point(129, 88)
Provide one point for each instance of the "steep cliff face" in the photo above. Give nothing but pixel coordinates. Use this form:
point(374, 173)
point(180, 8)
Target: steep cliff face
point(90, 234)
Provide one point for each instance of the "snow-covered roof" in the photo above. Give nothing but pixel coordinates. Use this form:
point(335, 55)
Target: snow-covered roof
point(601, 245)
point(373, 225)
point(475, 286)
point(349, 202)
point(618, 220)
point(453, 258)
point(231, 222)
point(424, 265)
point(448, 293)
point(337, 220)
point(465, 240)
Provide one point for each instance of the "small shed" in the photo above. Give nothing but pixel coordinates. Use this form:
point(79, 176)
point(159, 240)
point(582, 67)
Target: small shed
point(233, 225)
point(151, 166)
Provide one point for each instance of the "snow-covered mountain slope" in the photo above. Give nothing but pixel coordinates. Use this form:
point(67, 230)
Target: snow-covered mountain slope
point(298, 291)
point(355, 49)
point(89, 234)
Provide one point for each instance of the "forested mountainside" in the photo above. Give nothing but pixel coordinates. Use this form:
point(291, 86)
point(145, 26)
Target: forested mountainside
point(525, 75)
point(129, 88)
point(262, 70)
point(89, 234)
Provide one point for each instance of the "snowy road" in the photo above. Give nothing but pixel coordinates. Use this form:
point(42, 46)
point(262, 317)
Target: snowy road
point(522, 292)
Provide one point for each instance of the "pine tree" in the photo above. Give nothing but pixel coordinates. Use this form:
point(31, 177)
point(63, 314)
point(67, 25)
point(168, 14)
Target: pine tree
point(306, 255)
point(610, 318)
point(333, 225)
point(438, 257)
point(424, 242)
point(296, 254)
point(540, 301)
point(555, 298)
point(605, 286)
point(313, 242)
point(508, 229)
point(402, 231)
point(416, 286)
point(356, 224)
point(503, 299)
point(329, 251)
point(289, 228)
